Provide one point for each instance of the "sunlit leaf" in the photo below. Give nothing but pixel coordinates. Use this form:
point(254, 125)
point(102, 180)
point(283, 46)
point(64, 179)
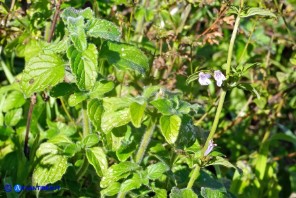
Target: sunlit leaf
point(42, 72)
point(84, 66)
point(96, 157)
point(103, 29)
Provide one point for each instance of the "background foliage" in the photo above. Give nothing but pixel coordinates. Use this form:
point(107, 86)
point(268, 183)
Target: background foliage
point(108, 94)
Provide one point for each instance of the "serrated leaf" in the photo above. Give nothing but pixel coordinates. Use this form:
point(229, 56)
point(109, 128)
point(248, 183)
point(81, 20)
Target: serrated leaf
point(95, 111)
point(164, 106)
point(57, 46)
point(60, 139)
point(137, 112)
point(170, 126)
point(77, 32)
point(84, 66)
point(182, 193)
point(46, 149)
point(130, 184)
point(50, 169)
point(117, 172)
point(14, 100)
point(87, 13)
point(41, 72)
point(103, 29)
point(150, 91)
point(111, 120)
point(210, 193)
point(90, 140)
point(76, 98)
point(221, 161)
point(96, 157)
point(111, 190)
point(258, 11)
point(155, 171)
point(124, 57)
point(100, 89)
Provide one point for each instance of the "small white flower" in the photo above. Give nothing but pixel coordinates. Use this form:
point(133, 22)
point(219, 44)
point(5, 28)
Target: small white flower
point(204, 78)
point(210, 147)
point(219, 77)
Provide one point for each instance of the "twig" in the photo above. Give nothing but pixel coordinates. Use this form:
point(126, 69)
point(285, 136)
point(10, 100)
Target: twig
point(26, 147)
point(54, 20)
point(33, 97)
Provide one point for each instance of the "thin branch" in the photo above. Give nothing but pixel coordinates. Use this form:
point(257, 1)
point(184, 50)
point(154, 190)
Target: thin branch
point(26, 147)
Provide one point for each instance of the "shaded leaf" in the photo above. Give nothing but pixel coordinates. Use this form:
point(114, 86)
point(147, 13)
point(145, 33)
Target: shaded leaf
point(125, 57)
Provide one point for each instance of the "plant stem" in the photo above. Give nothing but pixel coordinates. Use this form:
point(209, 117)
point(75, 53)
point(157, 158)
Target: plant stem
point(86, 126)
point(82, 169)
point(196, 173)
point(145, 141)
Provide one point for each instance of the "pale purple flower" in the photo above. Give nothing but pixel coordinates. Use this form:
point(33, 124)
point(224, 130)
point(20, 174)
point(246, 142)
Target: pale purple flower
point(219, 77)
point(204, 78)
point(210, 147)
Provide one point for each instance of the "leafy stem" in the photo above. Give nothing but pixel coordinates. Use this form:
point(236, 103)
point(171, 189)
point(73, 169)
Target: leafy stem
point(196, 170)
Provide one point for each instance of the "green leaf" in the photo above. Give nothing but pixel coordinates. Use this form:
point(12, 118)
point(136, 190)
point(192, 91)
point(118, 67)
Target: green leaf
point(111, 120)
point(210, 193)
point(125, 57)
point(95, 110)
point(130, 184)
point(100, 89)
point(137, 112)
point(117, 172)
point(14, 100)
point(84, 66)
point(115, 103)
point(76, 98)
point(96, 157)
point(155, 171)
point(46, 149)
point(221, 161)
point(111, 190)
point(170, 126)
point(41, 72)
point(150, 91)
point(12, 117)
point(182, 193)
point(90, 140)
point(249, 87)
point(87, 13)
point(50, 169)
point(63, 89)
point(103, 29)
point(58, 46)
point(258, 11)
point(77, 32)
point(60, 139)
point(164, 106)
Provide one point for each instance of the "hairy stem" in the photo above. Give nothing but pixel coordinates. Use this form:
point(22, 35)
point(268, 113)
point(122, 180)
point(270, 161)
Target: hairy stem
point(145, 141)
point(86, 124)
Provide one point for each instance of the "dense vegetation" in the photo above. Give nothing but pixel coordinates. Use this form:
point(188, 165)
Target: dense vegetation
point(154, 98)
